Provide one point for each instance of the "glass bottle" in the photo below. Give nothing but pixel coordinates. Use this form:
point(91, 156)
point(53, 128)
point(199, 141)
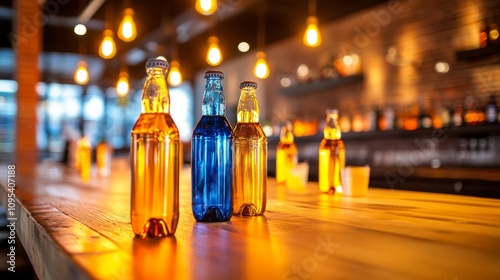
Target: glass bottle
point(491, 111)
point(212, 156)
point(483, 34)
point(154, 155)
point(458, 111)
point(250, 156)
point(103, 158)
point(286, 153)
point(84, 158)
point(331, 155)
point(493, 32)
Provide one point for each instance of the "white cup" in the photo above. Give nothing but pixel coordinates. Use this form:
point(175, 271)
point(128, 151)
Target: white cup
point(355, 180)
point(298, 176)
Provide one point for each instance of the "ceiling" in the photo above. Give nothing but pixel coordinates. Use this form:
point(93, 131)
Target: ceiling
point(165, 27)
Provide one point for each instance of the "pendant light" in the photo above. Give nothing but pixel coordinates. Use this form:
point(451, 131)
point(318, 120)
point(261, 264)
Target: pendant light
point(312, 36)
point(107, 48)
point(127, 30)
point(261, 69)
point(214, 54)
point(206, 7)
point(174, 77)
point(81, 74)
point(80, 29)
point(174, 74)
point(122, 86)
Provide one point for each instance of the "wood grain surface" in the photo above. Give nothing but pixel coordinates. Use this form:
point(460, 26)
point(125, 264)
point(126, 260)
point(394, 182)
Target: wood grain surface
point(81, 230)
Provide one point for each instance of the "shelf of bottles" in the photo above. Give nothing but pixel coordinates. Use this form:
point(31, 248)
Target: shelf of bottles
point(461, 136)
point(463, 115)
point(338, 71)
point(489, 41)
point(326, 83)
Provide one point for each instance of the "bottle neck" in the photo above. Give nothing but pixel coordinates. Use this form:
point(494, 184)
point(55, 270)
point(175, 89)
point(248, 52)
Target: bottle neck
point(332, 128)
point(155, 95)
point(213, 98)
point(248, 107)
point(286, 135)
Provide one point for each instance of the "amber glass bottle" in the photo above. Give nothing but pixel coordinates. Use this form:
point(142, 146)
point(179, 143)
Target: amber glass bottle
point(250, 156)
point(154, 155)
point(331, 155)
point(286, 153)
point(103, 158)
point(84, 158)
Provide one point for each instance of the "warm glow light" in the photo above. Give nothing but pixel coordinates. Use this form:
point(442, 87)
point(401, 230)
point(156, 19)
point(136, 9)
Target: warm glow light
point(80, 29)
point(127, 30)
point(81, 74)
point(261, 70)
point(174, 74)
point(494, 34)
point(268, 130)
point(312, 37)
point(107, 49)
point(355, 59)
point(348, 60)
point(122, 86)
point(442, 67)
point(243, 47)
point(302, 71)
point(214, 55)
point(285, 82)
point(206, 7)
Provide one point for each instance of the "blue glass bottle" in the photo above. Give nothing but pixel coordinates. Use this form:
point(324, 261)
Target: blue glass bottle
point(212, 156)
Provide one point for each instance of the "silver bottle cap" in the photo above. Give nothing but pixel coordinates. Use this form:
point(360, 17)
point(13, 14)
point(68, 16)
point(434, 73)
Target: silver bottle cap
point(332, 111)
point(214, 74)
point(248, 84)
point(159, 62)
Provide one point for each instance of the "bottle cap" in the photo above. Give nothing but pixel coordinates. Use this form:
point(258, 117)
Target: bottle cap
point(214, 74)
point(248, 84)
point(159, 62)
point(332, 111)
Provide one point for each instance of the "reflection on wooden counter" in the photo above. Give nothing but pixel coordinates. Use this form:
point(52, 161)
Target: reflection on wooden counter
point(77, 230)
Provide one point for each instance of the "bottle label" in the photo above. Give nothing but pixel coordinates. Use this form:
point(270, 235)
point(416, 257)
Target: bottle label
point(491, 114)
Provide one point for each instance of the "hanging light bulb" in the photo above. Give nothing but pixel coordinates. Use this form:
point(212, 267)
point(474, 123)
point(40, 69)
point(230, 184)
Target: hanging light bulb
point(312, 37)
point(107, 49)
point(122, 86)
point(81, 74)
point(214, 55)
point(206, 7)
point(80, 29)
point(261, 69)
point(127, 30)
point(174, 74)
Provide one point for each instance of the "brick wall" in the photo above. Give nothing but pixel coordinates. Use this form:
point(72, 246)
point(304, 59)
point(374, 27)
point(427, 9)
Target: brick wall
point(422, 31)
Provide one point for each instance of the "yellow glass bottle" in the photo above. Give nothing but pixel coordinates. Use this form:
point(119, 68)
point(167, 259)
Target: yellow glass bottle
point(154, 155)
point(250, 156)
point(84, 158)
point(331, 155)
point(103, 158)
point(286, 153)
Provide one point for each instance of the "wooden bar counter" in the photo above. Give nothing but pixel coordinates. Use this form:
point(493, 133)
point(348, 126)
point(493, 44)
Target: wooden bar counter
point(81, 230)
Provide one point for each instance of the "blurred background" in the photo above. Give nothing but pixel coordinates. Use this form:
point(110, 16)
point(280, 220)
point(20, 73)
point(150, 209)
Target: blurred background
point(416, 82)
